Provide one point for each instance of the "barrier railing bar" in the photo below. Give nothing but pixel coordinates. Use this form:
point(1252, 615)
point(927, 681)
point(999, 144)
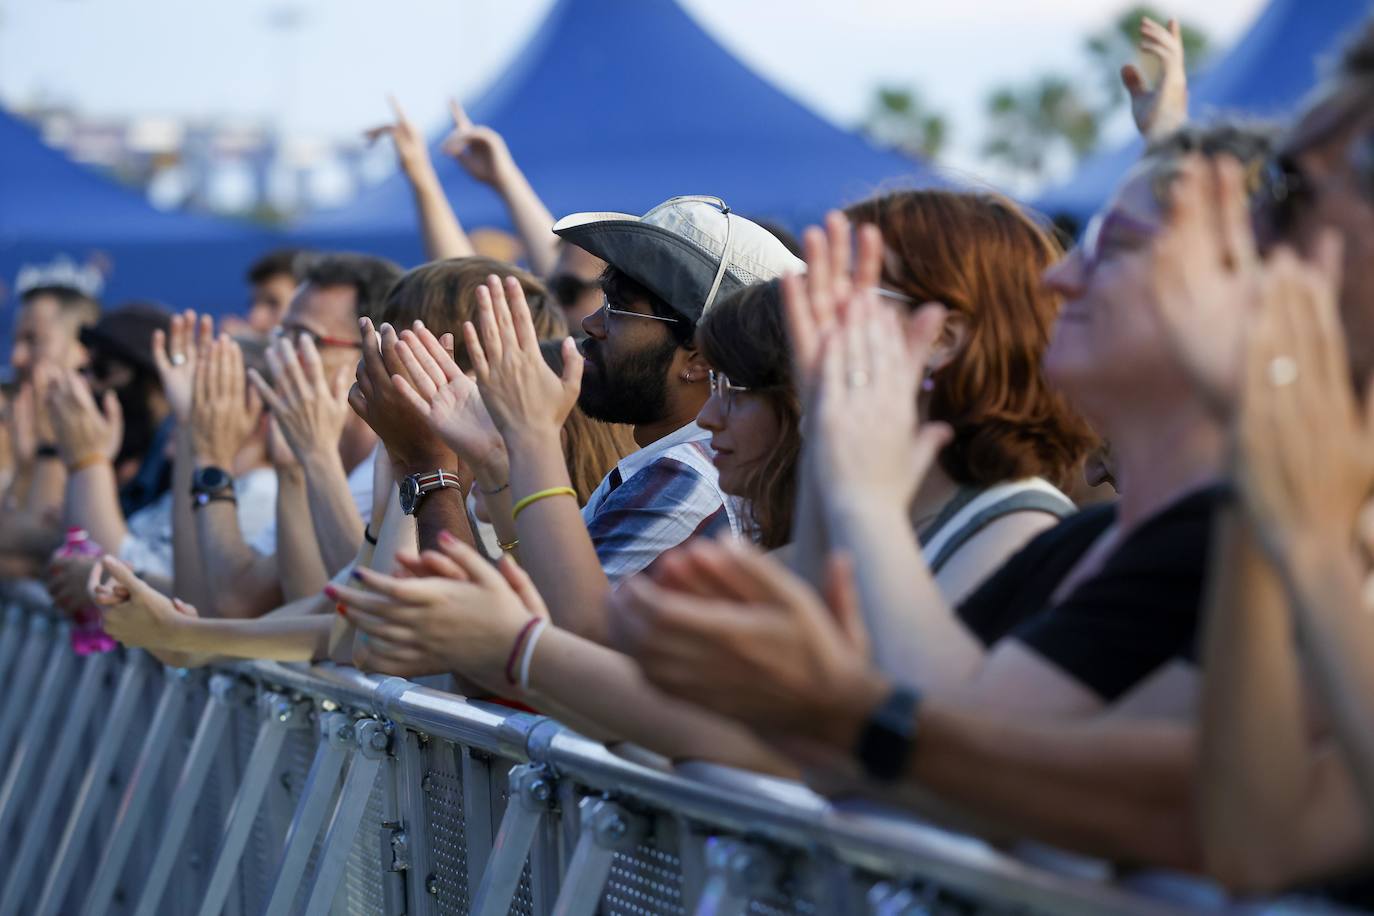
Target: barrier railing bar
point(95, 783)
point(26, 676)
point(210, 731)
point(348, 814)
point(336, 743)
point(31, 754)
point(282, 715)
point(531, 791)
point(59, 766)
point(143, 783)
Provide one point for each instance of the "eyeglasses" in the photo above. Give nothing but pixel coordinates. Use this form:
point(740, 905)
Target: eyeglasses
point(1105, 231)
point(725, 390)
point(321, 341)
point(607, 311)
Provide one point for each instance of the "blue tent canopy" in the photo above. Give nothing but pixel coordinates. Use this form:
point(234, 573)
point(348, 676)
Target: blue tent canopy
point(1266, 74)
point(50, 206)
point(620, 104)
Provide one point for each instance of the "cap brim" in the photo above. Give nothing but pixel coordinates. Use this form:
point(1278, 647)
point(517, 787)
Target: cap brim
point(667, 264)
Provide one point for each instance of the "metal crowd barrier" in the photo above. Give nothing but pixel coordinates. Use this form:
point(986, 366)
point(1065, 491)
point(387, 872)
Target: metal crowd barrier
point(132, 788)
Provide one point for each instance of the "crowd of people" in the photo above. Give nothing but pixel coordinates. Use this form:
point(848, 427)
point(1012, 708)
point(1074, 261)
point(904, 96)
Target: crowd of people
point(1068, 546)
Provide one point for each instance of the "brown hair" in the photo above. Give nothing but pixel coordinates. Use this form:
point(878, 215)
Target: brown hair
point(982, 257)
point(590, 448)
point(443, 294)
point(743, 336)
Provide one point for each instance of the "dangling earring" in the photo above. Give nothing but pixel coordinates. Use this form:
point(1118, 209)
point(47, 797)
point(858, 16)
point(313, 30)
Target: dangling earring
point(928, 384)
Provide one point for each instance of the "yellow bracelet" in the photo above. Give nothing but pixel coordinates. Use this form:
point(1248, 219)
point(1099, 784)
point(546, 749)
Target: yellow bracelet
point(533, 498)
point(89, 461)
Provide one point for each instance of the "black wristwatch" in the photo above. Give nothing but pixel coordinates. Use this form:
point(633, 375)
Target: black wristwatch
point(415, 487)
point(212, 484)
point(47, 450)
point(889, 735)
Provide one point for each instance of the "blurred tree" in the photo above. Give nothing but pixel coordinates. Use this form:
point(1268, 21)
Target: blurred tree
point(1029, 125)
point(898, 117)
point(1033, 125)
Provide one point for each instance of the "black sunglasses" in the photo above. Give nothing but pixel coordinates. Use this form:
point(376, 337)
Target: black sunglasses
point(567, 288)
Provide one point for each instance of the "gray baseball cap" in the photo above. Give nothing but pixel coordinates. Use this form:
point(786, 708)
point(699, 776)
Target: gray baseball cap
point(689, 251)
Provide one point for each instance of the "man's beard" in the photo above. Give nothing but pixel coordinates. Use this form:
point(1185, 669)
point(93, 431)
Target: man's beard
point(632, 390)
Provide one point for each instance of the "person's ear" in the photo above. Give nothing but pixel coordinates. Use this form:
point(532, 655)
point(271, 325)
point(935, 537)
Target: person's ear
point(693, 366)
point(953, 337)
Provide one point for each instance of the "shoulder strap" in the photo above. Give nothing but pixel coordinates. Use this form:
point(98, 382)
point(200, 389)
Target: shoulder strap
point(1033, 495)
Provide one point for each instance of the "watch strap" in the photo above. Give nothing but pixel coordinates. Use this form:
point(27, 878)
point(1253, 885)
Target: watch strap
point(889, 735)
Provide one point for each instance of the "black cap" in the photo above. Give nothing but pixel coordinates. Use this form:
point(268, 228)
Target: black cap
point(126, 333)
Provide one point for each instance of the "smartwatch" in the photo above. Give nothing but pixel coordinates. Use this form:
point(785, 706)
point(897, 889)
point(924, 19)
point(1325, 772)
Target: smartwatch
point(889, 735)
point(212, 484)
point(415, 487)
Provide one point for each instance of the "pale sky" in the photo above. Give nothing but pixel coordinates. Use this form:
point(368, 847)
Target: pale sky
point(328, 77)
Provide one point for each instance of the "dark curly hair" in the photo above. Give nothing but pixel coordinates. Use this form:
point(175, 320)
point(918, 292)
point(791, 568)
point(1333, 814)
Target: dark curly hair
point(743, 336)
point(982, 257)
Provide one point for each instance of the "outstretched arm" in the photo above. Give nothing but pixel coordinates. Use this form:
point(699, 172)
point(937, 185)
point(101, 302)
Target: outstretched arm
point(440, 230)
point(484, 154)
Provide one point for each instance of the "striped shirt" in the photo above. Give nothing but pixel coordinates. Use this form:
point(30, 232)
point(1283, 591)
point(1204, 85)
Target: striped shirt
point(656, 499)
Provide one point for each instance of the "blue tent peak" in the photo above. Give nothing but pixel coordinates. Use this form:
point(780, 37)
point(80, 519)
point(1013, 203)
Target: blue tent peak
point(620, 104)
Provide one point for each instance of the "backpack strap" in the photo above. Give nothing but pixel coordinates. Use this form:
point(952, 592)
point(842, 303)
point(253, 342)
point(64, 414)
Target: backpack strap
point(1033, 495)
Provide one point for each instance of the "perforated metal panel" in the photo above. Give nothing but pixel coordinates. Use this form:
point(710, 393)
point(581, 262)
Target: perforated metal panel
point(443, 788)
point(362, 893)
point(523, 904)
point(647, 882)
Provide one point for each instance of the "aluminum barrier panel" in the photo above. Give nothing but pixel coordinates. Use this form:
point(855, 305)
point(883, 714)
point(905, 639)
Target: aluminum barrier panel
point(130, 788)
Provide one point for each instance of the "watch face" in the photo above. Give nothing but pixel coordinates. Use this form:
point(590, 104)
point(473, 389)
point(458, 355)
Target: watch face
point(211, 480)
point(410, 491)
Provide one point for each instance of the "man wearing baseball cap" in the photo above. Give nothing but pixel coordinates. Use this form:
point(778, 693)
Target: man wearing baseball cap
point(664, 271)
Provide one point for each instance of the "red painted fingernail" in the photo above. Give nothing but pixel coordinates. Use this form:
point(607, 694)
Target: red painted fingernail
point(331, 592)
point(341, 610)
point(446, 538)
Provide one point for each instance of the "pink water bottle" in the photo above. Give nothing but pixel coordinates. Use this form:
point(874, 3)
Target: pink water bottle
point(88, 636)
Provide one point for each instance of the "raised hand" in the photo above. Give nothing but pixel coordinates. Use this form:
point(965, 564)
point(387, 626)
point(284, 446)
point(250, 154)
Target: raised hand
point(411, 151)
point(451, 404)
point(225, 411)
point(520, 390)
point(135, 613)
point(377, 398)
point(875, 448)
point(308, 409)
point(84, 431)
point(732, 630)
point(174, 355)
point(1305, 444)
point(1161, 108)
point(814, 302)
point(1206, 275)
point(480, 150)
point(463, 618)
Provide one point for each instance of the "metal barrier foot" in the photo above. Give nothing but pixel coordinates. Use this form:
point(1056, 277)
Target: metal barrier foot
point(736, 873)
point(607, 828)
point(59, 767)
point(372, 749)
point(283, 714)
point(531, 796)
point(337, 741)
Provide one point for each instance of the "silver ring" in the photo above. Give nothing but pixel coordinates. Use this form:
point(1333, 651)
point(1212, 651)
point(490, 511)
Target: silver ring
point(178, 359)
point(857, 378)
point(1282, 370)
